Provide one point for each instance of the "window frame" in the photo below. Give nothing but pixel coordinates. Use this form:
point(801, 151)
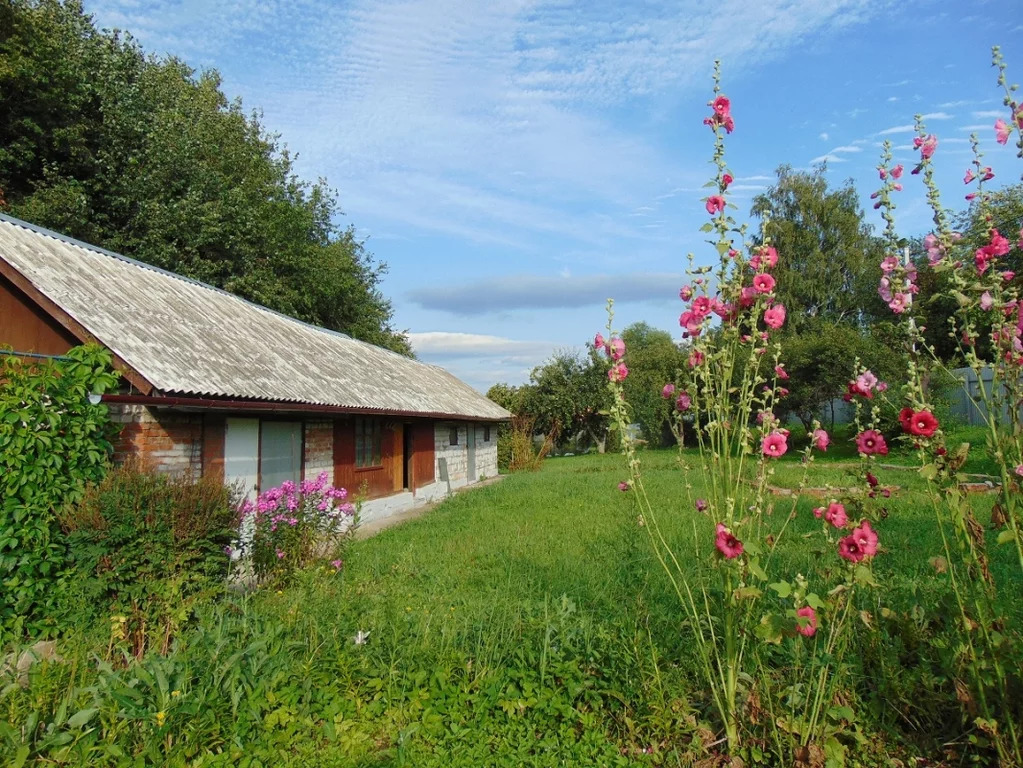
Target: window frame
point(486, 433)
point(453, 435)
point(368, 427)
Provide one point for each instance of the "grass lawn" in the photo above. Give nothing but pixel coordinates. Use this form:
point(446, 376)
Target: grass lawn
point(524, 623)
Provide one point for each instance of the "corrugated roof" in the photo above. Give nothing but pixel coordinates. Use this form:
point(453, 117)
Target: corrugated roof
point(189, 338)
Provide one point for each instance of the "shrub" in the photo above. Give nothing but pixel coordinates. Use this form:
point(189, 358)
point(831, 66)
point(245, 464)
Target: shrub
point(147, 548)
point(292, 526)
point(53, 442)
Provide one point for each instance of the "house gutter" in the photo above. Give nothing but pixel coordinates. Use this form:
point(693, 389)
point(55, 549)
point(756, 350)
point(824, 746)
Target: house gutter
point(160, 401)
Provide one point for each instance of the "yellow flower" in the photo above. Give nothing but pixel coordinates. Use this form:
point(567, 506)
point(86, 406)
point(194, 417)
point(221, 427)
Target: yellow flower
point(160, 717)
point(175, 694)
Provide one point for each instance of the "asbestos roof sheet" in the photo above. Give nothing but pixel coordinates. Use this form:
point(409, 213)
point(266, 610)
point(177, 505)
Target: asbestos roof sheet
point(188, 338)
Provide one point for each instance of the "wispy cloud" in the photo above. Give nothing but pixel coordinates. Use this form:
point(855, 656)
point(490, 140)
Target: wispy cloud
point(936, 116)
point(908, 128)
point(989, 113)
point(446, 344)
point(828, 158)
point(535, 292)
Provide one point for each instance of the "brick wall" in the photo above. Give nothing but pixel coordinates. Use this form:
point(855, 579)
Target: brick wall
point(486, 452)
point(167, 442)
point(319, 449)
point(454, 456)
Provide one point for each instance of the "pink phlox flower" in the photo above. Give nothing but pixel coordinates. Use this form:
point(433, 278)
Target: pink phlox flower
point(348, 509)
point(836, 515)
point(288, 487)
point(774, 444)
point(727, 544)
point(807, 627)
point(820, 439)
point(292, 503)
point(774, 316)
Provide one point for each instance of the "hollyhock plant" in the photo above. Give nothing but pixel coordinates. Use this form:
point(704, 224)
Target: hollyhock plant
point(820, 440)
point(807, 626)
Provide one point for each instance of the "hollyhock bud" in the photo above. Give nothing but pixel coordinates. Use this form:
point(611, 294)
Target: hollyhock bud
point(986, 301)
point(598, 341)
point(685, 292)
point(726, 179)
point(780, 372)
point(623, 486)
point(897, 171)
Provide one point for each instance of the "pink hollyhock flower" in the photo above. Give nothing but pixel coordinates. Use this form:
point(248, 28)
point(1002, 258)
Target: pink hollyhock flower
point(618, 372)
point(870, 441)
point(766, 256)
point(986, 174)
point(836, 515)
point(780, 372)
point(774, 316)
point(1007, 275)
point(986, 301)
point(774, 444)
point(884, 289)
point(920, 423)
point(882, 173)
point(889, 264)
point(866, 539)
point(715, 203)
point(926, 146)
point(1019, 470)
point(696, 358)
point(280, 554)
point(970, 176)
point(727, 544)
point(623, 486)
point(668, 391)
point(701, 305)
point(616, 349)
point(898, 303)
point(882, 386)
point(1001, 131)
point(818, 511)
point(849, 549)
point(763, 283)
point(726, 179)
point(598, 341)
point(685, 292)
point(806, 628)
point(701, 505)
point(897, 171)
point(692, 322)
point(722, 106)
point(866, 380)
point(820, 439)
point(683, 402)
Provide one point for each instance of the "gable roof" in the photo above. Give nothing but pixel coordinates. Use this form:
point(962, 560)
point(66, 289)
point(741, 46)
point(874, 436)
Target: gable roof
point(188, 338)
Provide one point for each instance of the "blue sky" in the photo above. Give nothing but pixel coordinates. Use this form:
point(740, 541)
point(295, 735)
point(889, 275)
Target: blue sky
point(515, 163)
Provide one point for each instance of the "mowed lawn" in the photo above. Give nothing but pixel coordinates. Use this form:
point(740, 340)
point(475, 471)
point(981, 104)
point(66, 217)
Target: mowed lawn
point(524, 623)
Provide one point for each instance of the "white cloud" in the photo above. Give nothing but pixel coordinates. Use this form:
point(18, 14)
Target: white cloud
point(824, 136)
point(989, 113)
point(446, 344)
point(847, 148)
point(909, 128)
point(937, 116)
point(976, 127)
point(893, 98)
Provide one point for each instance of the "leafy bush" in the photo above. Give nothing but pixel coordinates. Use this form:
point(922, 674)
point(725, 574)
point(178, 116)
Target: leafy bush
point(291, 526)
point(53, 442)
point(147, 548)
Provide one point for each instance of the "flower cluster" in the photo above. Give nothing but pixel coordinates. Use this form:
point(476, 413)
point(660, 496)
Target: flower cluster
point(614, 348)
point(722, 115)
point(860, 544)
point(864, 385)
point(918, 423)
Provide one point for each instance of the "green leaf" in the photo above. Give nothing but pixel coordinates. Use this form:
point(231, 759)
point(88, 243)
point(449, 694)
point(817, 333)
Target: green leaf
point(1006, 536)
point(756, 570)
point(747, 593)
point(814, 601)
point(783, 588)
point(928, 471)
point(864, 576)
point(79, 719)
point(708, 227)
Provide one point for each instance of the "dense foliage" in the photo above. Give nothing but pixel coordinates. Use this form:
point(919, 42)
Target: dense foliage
point(146, 549)
point(53, 443)
point(140, 155)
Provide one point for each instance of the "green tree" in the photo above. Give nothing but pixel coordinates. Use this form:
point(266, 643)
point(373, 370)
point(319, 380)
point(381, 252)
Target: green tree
point(653, 359)
point(145, 157)
point(827, 255)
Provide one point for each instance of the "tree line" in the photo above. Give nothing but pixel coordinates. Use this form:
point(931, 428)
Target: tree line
point(827, 276)
point(146, 157)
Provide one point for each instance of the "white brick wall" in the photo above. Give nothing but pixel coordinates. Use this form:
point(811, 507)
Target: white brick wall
point(451, 457)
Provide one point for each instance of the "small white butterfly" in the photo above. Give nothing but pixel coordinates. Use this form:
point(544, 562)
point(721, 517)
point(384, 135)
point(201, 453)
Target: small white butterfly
point(360, 637)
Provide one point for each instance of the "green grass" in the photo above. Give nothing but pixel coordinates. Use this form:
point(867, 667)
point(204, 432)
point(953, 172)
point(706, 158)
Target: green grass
point(524, 623)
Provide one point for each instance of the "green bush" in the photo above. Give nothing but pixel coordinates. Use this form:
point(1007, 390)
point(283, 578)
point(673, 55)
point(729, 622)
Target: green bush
point(147, 548)
point(53, 442)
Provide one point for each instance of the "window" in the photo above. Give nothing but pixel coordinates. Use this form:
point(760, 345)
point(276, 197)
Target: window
point(486, 433)
point(453, 436)
point(280, 453)
point(367, 443)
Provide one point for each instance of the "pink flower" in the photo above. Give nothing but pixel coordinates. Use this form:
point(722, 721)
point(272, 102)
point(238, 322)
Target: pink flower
point(692, 322)
point(884, 289)
point(763, 283)
point(809, 627)
point(683, 402)
point(780, 372)
point(623, 486)
point(1019, 470)
point(986, 301)
point(897, 171)
point(820, 439)
point(685, 292)
point(866, 380)
point(715, 203)
point(774, 316)
point(722, 106)
point(836, 515)
point(598, 341)
point(882, 173)
point(870, 441)
point(888, 264)
point(774, 444)
point(668, 391)
point(701, 505)
point(866, 539)
point(898, 303)
point(970, 176)
point(818, 512)
point(618, 372)
point(1001, 131)
point(766, 256)
point(926, 146)
point(921, 424)
point(616, 349)
point(727, 544)
point(701, 305)
point(726, 179)
point(849, 549)
point(280, 554)
point(696, 358)
point(1007, 275)
point(337, 564)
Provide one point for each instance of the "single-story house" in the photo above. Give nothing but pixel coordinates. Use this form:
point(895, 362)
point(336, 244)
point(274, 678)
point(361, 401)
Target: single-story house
point(216, 385)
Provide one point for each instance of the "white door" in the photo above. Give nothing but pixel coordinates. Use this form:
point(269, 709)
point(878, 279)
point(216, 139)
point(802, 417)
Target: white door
point(241, 456)
point(470, 445)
